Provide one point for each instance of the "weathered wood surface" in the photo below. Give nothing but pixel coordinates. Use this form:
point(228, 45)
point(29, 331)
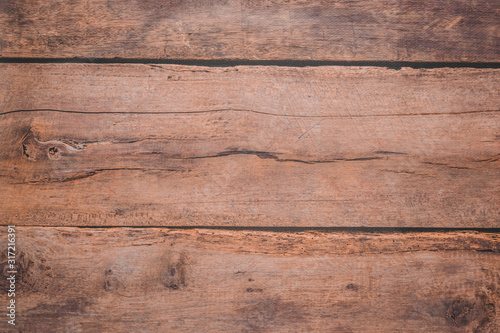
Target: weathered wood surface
point(167, 280)
point(410, 30)
point(248, 146)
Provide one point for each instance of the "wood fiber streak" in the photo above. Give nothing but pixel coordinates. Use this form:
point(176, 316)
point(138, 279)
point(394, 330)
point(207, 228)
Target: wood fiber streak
point(388, 30)
point(159, 280)
point(248, 146)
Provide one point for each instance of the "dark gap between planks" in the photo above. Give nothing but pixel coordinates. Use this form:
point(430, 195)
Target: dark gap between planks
point(242, 62)
point(385, 230)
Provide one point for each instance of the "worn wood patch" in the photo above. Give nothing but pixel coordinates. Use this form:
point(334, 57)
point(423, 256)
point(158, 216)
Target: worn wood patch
point(248, 146)
point(409, 30)
point(150, 280)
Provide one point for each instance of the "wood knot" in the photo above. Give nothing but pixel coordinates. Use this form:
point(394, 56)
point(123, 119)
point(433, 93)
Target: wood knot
point(30, 146)
point(111, 282)
point(54, 153)
point(476, 313)
point(173, 274)
point(22, 268)
point(352, 286)
point(461, 312)
point(34, 149)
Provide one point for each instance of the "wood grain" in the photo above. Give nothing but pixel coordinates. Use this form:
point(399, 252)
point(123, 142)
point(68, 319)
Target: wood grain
point(248, 146)
point(408, 30)
point(159, 280)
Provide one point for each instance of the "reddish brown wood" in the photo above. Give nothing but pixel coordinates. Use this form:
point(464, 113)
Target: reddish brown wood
point(248, 146)
point(387, 30)
point(157, 280)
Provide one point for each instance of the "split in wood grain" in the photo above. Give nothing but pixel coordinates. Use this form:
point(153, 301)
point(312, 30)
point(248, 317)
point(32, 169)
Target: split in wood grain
point(253, 111)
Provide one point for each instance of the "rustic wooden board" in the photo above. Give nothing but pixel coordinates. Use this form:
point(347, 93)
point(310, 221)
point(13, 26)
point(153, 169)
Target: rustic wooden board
point(248, 146)
point(151, 280)
point(409, 30)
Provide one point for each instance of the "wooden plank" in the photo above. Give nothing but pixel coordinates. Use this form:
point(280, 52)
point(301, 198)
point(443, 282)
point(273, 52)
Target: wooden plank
point(151, 280)
point(248, 146)
point(405, 30)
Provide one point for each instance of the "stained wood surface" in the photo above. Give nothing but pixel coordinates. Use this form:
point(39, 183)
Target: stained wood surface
point(409, 30)
point(164, 280)
point(248, 146)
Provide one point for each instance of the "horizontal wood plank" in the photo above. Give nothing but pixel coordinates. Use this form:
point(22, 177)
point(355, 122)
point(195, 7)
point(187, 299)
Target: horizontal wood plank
point(151, 280)
point(248, 146)
point(406, 30)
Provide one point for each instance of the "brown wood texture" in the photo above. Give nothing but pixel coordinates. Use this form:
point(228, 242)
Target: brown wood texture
point(409, 30)
point(164, 280)
point(248, 146)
